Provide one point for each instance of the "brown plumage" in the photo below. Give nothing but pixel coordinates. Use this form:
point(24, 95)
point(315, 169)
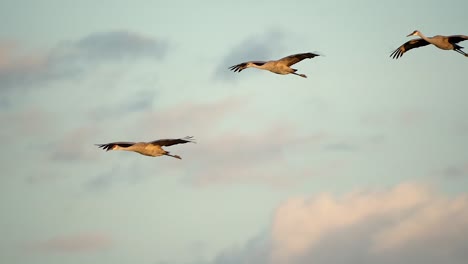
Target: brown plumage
point(153, 148)
point(442, 42)
point(281, 66)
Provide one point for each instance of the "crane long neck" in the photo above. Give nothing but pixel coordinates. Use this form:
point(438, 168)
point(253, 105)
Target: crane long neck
point(421, 35)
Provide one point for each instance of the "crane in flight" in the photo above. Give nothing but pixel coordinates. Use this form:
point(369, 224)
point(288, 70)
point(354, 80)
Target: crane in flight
point(281, 66)
point(152, 149)
point(441, 42)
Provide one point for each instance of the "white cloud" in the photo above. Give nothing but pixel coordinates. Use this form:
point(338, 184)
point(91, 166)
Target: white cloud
point(408, 223)
point(301, 223)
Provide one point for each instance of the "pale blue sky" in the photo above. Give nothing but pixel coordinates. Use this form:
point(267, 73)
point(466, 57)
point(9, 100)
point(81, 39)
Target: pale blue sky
point(76, 73)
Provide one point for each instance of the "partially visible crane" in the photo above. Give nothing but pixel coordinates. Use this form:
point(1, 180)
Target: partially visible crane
point(153, 148)
point(281, 66)
point(442, 42)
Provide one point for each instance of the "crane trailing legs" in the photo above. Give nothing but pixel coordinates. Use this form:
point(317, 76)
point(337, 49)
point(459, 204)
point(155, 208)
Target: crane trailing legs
point(152, 149)
point(281, 66)
point(441, 42)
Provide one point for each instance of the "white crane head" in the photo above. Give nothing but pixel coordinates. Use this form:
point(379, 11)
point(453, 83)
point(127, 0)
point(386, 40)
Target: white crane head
point(415, 33)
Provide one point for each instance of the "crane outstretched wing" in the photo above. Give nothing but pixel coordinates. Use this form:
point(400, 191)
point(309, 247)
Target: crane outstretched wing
point(241, 66)
point(110, 146)
point(170, 142)
point(293, 59)
point(414, 43)
point(457, 38)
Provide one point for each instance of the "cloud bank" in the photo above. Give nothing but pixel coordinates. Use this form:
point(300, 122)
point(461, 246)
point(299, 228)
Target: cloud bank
point(70, 59)
point(405, 224)
point(75, 243)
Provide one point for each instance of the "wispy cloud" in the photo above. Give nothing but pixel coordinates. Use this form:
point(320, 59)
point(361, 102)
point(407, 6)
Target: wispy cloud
point(75, 145)
point(240, 158)
point(404, 117)
point(188, 118)
point(19, 69)
point(258, 47)
point(136, 102)
point(112, 46)
point(387, 226)
point(27, 122)
point(256, 250)
point(454, 171)
point(70, 59)
point(117, 174)
point(185, 119)
point(77, 243)
point(222, 156)
point(341, 146)
point(10, 60)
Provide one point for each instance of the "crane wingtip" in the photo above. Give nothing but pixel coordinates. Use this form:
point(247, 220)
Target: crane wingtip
point(316, 53)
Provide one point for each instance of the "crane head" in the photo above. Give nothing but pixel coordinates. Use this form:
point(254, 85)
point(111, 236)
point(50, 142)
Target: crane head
point(415, 33)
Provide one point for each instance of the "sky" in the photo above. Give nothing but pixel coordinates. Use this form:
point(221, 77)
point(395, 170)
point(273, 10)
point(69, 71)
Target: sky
point(365, 161)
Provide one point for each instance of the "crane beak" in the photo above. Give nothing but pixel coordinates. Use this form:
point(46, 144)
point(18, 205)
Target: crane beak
point(412, 34)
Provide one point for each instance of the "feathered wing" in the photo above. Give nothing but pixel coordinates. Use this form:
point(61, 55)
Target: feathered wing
point(241, 66)
point(110, 146)
point(457, 38)
point(293, 59)
point(414, 43)
point(170, 142)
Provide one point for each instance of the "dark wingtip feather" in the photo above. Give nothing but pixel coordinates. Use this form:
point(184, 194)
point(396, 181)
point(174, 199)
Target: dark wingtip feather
point(189, 139)
point(105, 147)
point(238, 67)
point(234, 68)
point(396, 54)
point(312, 55)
